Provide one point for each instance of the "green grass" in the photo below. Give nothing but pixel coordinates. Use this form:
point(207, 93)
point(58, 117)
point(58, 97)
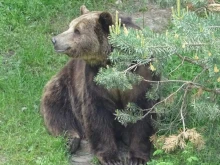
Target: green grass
point(27, 61)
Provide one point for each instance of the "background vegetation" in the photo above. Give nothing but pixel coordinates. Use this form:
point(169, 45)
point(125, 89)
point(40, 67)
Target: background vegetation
point(27, 61)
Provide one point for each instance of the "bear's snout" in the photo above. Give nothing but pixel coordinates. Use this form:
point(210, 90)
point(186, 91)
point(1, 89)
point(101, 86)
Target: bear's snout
point(61, 43)
point(53, 40)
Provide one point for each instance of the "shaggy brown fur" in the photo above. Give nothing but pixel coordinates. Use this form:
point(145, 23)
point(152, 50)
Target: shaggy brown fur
point(74, 105)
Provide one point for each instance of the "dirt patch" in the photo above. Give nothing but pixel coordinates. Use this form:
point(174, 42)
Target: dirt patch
point(156, 19)
point(147, 15)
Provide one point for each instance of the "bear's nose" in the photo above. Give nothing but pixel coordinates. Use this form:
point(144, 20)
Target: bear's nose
point(53, 40)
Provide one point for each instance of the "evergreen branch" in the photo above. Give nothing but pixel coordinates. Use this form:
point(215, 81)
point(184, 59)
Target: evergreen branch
point(129, 46)
point(189, 36)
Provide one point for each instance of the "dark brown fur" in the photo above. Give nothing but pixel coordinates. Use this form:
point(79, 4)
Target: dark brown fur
point(74, 105)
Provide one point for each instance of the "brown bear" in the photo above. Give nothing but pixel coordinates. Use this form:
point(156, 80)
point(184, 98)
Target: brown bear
point(74, 105)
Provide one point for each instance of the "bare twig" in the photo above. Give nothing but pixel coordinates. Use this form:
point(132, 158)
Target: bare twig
point(196, 44)
point(192, 84)
point(196, 77)
point(213, 27)
point(184, 99)
point(183, 107)
point(190, 60)
point(131, 67)
point(168, 81)
point(178, 66)
point(149, 110)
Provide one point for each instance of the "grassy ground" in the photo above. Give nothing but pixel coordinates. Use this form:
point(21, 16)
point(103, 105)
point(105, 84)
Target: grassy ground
point(27, 61)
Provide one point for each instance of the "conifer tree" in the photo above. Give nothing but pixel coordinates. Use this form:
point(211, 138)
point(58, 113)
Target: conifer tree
point(187, 56)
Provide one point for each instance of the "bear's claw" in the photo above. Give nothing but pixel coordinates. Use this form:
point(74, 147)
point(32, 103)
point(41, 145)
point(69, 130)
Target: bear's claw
point(136, 161)
point(115, 161)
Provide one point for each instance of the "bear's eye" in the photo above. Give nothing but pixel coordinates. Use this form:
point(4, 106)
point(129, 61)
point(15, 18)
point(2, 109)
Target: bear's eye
point(76, 31)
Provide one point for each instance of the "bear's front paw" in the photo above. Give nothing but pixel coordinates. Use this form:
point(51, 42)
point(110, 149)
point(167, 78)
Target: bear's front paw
point(136, 161)
point(110, 160)
point(138, 157)
point(73, 144)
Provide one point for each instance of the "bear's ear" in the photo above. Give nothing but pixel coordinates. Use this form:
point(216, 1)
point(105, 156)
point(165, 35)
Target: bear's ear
point(105, 19)
point(83, 10)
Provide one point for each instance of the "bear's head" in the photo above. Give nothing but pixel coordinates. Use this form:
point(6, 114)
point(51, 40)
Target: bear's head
point(86, 37)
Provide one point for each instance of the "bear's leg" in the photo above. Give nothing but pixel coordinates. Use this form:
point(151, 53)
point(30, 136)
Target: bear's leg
point(58, 115)
point(140, 146)
point(99, 120)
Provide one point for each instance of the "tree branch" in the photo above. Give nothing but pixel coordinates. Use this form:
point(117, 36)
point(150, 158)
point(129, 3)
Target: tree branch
point(149, 110)
point(178, 66)
point(190, 60)
point(191, 83)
